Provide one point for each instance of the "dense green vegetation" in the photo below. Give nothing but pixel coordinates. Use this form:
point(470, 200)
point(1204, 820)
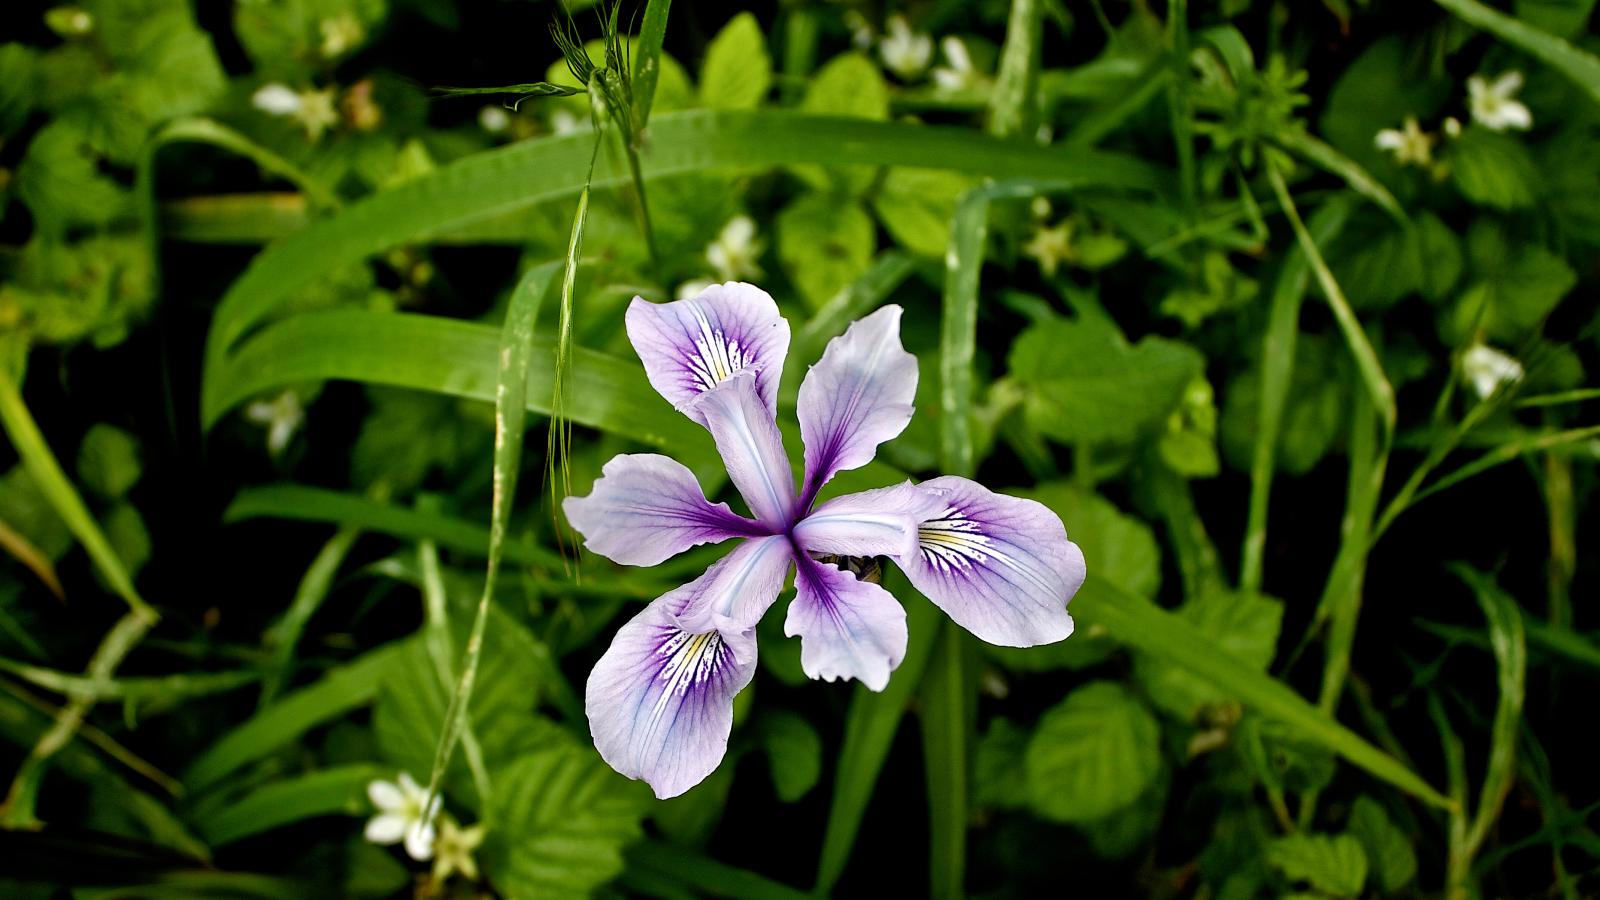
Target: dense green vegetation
point(312, 312)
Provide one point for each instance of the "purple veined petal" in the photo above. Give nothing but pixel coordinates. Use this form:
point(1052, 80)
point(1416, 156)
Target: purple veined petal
point(646, 508)
point(660, 700)
point(751, 447)
point(847, 628)
point(880, 522)
point(690, 346)
point(858, 396)
point(739, 588)
point(1001, 567)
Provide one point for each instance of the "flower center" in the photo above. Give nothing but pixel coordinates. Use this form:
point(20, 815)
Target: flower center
point(691, 659)
point(715, 357)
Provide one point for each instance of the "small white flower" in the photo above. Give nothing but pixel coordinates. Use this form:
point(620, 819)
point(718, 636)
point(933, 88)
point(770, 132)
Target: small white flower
point(282, 415)
point(861, 34)
point(906, 53)
point(1452, 127)
point(562, 121)
point(959, 75)
point(1409, 143)
point(735, 252)
point(1494, 104)
point(1487, 369)
point(401, 816)
point(340, 35)
point(276, 99)
point(494, 119)
point(692, 288)
point(1051, 247)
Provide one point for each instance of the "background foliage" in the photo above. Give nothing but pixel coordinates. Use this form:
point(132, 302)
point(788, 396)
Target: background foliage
point(1314, 401)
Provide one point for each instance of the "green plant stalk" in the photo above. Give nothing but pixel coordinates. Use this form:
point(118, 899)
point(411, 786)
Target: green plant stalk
point(1341, 599)
point(948, 714)
point(1179, 111)
point(509, 418)
point(1277, 375)
point(313, 589)
point(1012, 102)
point(1563, 562)
point(166, 688)
point(436, 637)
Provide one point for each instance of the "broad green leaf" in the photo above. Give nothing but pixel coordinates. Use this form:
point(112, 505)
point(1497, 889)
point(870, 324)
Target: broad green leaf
point(61, 182)
point(1093, 754)
point(562, 819)
point(916, 206)
point(1155, 631)
point(1087, 384)
point(288, 36)
point(1379, 264)
point(1120, 834)
point(1494, 169)
point(18, 88)
point(1334, 865)
point(1392, 862)
point(737, 70)
point(31, 513)
point(794, 753)
point(849, 85)
point(1243, 625)
point(825, 244)
point(999, 768)
point(129, 537)
point(108, 460)
point(1514, 287)
point(1118, 547)
point(336, 791)
point(1312, 411)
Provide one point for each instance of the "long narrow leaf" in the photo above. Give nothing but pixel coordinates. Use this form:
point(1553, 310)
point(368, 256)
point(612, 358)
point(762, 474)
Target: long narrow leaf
point(1582, 67)
point(338, 791)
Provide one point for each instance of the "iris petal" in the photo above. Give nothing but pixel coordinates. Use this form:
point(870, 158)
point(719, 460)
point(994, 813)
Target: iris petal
point(690, 346)
point(847, 628)
point(751, 447)
point(646, 508)
point(859, 395)
point(1001, 567)
point(880, 522)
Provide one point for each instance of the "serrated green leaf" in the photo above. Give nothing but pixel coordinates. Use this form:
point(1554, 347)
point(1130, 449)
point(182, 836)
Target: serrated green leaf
point(1093, 754)
point(916, 206)
point(108, 460)
point(1391, 860)
point(562, 819)
point(1332, 864)
point(1494, 169)
point(1087, 384)
point(737, 70)
point(1243, 625)
point(1516, 286)
point(825, 244)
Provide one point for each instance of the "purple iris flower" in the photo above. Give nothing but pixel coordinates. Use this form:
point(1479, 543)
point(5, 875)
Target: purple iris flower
point(660, 701)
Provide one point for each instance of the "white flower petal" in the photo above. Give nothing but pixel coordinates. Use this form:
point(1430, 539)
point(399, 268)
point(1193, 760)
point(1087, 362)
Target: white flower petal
point(386, 828)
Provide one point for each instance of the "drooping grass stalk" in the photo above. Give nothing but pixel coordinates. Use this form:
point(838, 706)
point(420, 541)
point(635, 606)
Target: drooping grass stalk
point(313, 589)
point(41, 465)
point(510, 415)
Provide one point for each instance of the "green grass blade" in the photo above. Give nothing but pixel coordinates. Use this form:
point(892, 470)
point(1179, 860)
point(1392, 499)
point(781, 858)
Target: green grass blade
point(702, 876)
point(525, 173)
point(337, 791)
point(1277, 373)
point(949, 705)
point(1012, 102)
point(958, 331)
point(1582, 67)
point(647, 59)
point(452, 357)
point(1160, 633)
point(1508, 452)
point(281, 724)
point(869, 729)
point(510, 417)
point(1510, 648)
point(1320, 154)
point(164, 689)
point(314, 587)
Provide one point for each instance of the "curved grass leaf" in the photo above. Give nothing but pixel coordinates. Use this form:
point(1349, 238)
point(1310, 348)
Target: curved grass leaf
point(523, 174)
point(336, 693)
point(337, 791)
point(1144, 626)
point(1583, 68)
point(702, 876)
point(314, 586)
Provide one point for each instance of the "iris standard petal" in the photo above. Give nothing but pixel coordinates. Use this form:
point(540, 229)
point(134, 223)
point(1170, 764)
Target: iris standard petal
point(880, 522)
point(858, 396)
point(660, 701)
point(646, 508)
point(1001, 567)
point(847, 628)
point(690, 346)
point(747, 437)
